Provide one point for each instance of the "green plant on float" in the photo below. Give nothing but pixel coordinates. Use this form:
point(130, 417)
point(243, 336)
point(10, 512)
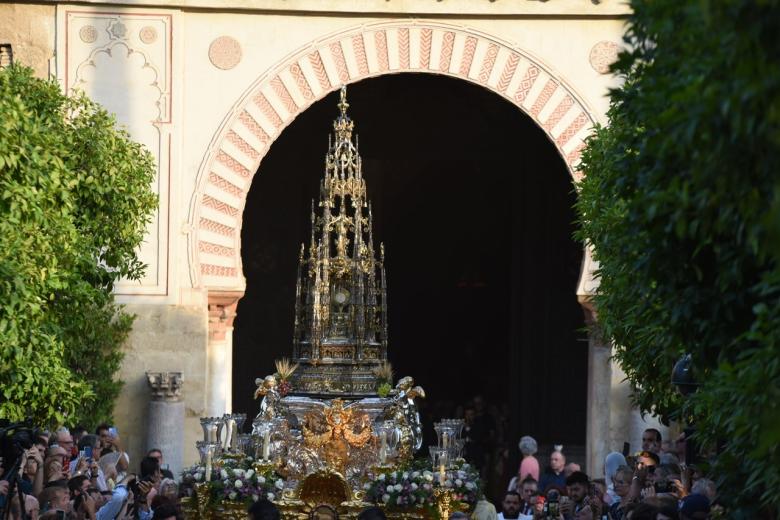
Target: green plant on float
point(681, 205)
point(75, 201)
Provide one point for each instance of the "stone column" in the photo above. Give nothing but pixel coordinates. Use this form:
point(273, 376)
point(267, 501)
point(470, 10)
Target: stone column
point(597, 434)
point(166, 417)
point(219, 379)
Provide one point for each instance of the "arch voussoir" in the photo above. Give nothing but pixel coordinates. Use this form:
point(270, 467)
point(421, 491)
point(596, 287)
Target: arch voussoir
point(277, 98)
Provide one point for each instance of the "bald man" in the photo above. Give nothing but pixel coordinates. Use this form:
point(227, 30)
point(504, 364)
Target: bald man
point(554, 474)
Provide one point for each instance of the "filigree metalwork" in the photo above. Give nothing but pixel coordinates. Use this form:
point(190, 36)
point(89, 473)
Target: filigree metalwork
point(340, 331)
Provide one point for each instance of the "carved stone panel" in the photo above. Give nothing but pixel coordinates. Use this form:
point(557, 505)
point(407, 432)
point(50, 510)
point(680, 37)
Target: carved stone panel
point(122, 60)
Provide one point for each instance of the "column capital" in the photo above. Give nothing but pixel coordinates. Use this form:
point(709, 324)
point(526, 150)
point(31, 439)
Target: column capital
point(165, 386)
point(222, 312)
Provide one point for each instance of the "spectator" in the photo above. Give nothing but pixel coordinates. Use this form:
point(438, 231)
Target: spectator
point(89, 466)
point(54, 498)
point(56, 464)
point(157, 454)
point(529, 491)
point(621, 485)
point(510, 506)
point(553, 475)
point(611, 464)
point(484, 510)
point(77, 433)
point(169, 488)
point(150, 469)
point(651, 440)
point(694, 507)
point(706, 487)
point(63, 439)
point(166, 511)
point(529, 466)
point(570, 468)
point(577, 486)
point(111, 446)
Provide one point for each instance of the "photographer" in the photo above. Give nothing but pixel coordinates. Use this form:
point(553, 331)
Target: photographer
point(577, 487)
point(86, 464)
point(112, 444)
point(644, 476)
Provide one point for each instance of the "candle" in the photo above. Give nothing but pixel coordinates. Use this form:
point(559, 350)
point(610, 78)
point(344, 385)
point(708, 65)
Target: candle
point(230, 426)
point(445, 440)
point(383, 447)
point(441, 474)
point(212, 433)
point(266, 444)
point(208, 464)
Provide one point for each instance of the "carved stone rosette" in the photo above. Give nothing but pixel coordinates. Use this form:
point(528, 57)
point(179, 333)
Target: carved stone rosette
point(165, 386)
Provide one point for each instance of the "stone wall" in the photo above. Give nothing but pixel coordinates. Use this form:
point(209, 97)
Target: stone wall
point(164, 338)
point(29, 28)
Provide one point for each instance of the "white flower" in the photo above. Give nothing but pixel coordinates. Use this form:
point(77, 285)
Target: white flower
point(366, 486)
point(415, 474)
point(238, 472)
point(279, 484)
point(249, 473)
point(398, 487)
point(470, 485)
point(412, 498)
point(448, 483)
point(223, 474)
point(198, 477)
point(458, 482)
point(232, 495)
point(238, 484)
point(255, 498)
point(399, 500)
point(385, 498)
point(261, 479)
point(406, 475)
point(428, 476)
point(414, 486)
point(270, 497)
point(381, 476)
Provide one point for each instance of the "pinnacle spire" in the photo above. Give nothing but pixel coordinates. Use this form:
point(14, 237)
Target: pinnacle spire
point(341, 323)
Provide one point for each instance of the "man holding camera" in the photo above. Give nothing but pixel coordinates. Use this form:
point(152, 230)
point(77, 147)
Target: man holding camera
point(577, 485)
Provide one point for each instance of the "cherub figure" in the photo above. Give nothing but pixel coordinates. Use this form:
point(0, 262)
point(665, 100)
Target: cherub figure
point(270, 406)
point(406, 414)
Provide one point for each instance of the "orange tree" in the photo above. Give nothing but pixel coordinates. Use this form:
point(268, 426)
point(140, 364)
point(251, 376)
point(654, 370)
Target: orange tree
point(681, 203)
point(75, 200)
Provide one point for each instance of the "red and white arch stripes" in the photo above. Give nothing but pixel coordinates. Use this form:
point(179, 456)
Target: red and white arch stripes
point(350, 56)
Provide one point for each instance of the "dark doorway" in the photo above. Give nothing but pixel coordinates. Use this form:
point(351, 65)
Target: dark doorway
point(474, 206)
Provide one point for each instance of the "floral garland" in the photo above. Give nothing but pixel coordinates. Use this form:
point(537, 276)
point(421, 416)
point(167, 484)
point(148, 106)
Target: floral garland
point(235, 481)
point(414, 486)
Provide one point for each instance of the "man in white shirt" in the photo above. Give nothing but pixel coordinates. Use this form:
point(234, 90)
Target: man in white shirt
point(510, 507)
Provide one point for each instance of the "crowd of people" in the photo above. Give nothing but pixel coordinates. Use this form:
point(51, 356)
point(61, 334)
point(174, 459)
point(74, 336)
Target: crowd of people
point(653, 484)
point(76, 475)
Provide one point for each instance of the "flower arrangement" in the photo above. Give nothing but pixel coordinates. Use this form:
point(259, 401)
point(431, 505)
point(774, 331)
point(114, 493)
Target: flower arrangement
point(384, 379)
point(235, 481)
point(284, 371)
point(414, 486)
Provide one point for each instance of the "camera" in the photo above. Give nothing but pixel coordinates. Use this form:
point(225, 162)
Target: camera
point(553, 503)
point(663, 486)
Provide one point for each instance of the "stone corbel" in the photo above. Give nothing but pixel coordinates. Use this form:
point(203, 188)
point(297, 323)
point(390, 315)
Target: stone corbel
point(222, 312)
point(165, 386)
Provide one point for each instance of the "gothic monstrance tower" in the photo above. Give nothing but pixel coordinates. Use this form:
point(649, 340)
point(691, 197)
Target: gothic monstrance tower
point(341, 297)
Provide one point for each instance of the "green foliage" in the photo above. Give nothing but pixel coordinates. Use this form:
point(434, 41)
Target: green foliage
point(681, 202)
point(75, 200)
